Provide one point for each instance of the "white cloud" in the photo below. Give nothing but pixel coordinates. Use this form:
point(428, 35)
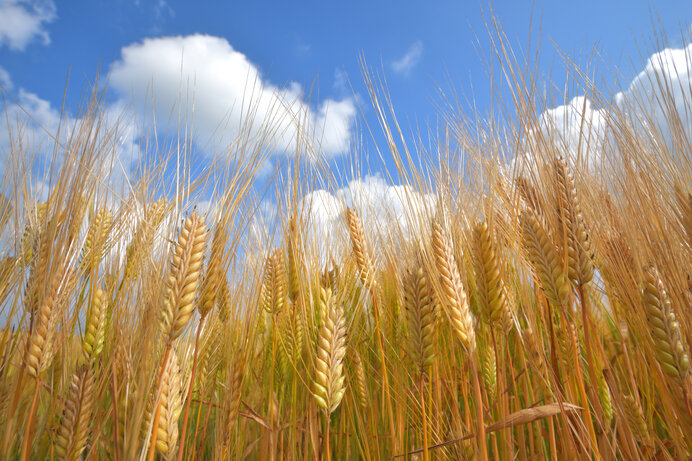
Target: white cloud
point(659, 99)
point(32, 120)
point(30, 127)
point(577, 127)
point(220, 91)
point(22, 21)
point(390, 214)
point(5, 79)
point(340, 81)
point(407, 62)
point(656, 107)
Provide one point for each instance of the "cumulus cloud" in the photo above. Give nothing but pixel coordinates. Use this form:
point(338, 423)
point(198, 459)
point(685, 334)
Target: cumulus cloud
point(659, 97)
point(407, 62)
point(657, 104)
point(23, 21)
point(387, 211)
point(220, 91)
point(578, 127)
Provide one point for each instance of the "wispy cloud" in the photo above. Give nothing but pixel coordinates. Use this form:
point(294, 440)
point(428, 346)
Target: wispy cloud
point(5, 79)
point(22, 21)
point(407, 62)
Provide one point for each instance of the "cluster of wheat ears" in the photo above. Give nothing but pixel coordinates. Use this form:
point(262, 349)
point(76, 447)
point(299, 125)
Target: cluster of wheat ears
point(538, 309)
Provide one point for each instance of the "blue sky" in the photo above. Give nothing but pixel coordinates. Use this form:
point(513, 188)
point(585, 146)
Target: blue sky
point(295, 44)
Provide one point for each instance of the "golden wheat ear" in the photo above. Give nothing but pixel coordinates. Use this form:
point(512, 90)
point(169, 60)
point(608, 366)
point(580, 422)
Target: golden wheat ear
point(183, 278)
point(569, 213)
point(669, 344)
point(71, 438)
point(41, 347)
point(171, 405)
point(543, 256)
point(328, 382)
point(213, 277)
point(491, 287)
point(273, 291)
point(453, 291)
point(636, 420)
point(361, 383)
point(95, 331)
point(420, 313)
point(96, 238)
point(360, 248)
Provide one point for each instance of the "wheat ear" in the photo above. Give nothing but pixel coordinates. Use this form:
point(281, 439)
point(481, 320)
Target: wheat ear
point(636, 420)
point(95, 331)
point(97, 235)
point(213, 278)
point(669, 344)
point(360, 248)
point(183, 278)
point(420, 310)
point(273, 292)
point(170, 407)
point(361, 384)
point(545, 261)
point(73, 432)
point(40, 346)
point(328, 382)
point(491, 288)
point(452, 289)
point(569, 213)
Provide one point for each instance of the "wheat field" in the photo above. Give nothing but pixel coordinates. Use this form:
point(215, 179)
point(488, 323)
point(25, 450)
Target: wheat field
point(529, 301)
